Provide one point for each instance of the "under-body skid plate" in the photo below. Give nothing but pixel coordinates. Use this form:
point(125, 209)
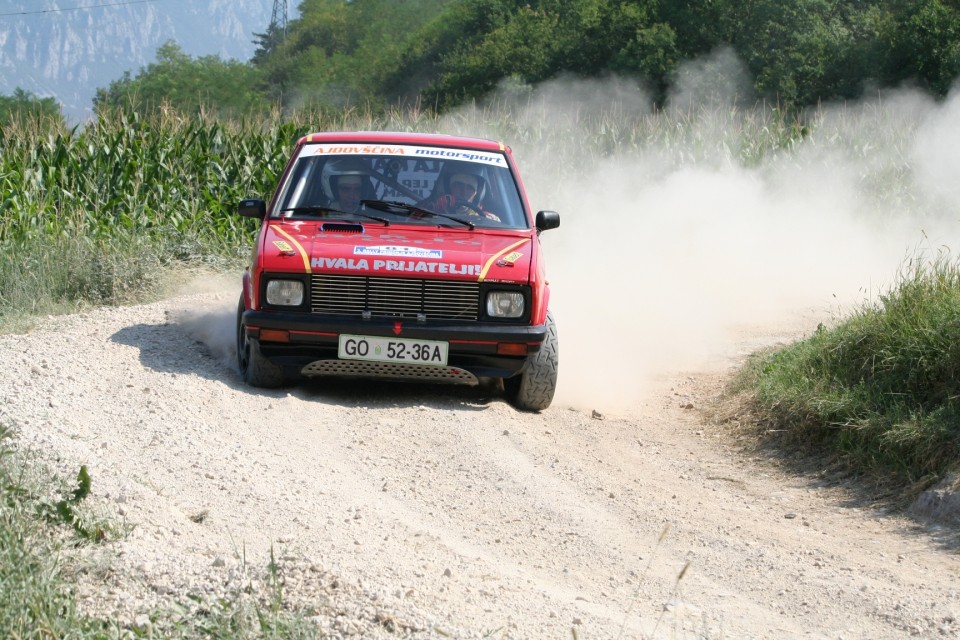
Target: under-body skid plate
point(389, 371)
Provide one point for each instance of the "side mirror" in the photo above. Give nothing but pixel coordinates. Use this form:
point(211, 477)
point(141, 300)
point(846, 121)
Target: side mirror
point(252, 209)
point(547, 220)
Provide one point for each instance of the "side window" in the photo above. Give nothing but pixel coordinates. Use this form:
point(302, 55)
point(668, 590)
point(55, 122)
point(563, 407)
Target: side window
point(493, 201)
point(507, 200)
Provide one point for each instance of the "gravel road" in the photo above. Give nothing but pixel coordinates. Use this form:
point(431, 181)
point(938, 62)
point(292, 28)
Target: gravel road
point(396, 510)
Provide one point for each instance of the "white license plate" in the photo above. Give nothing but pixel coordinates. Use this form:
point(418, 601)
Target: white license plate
point(392, 350)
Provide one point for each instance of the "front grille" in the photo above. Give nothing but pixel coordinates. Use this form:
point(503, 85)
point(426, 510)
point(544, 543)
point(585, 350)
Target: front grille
point(394, 297)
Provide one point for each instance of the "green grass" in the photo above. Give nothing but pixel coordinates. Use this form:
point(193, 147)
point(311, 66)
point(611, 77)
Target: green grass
point(34, 600)
point(880, 392)
point(42, 522)
point(69, 274)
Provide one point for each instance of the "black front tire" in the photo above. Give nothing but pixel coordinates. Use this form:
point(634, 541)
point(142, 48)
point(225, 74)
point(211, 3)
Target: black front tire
point(533, 389)
point(256, 370)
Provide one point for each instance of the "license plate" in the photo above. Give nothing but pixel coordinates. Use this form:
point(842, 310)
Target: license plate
point(380, 349)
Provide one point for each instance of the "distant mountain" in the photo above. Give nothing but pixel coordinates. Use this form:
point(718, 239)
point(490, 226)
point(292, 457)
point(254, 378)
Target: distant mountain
point(68, 48)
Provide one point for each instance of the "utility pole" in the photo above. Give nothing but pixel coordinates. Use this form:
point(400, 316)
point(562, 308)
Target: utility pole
point(278, 19)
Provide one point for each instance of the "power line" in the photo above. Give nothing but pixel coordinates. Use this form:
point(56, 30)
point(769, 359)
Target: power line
point(94, 6)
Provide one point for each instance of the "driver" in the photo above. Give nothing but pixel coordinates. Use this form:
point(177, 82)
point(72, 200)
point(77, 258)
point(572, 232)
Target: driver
point(463, 195)
point(349, 190)
point(348, 184)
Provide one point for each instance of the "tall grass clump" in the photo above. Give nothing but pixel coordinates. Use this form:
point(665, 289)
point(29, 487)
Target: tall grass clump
point(35, 600)
point(881, 391)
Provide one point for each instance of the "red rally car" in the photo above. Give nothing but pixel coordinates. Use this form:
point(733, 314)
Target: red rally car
point(399, 256)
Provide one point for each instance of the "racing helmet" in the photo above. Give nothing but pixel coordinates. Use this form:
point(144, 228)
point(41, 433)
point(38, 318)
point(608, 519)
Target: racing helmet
point(455, 168)
point(340, 168)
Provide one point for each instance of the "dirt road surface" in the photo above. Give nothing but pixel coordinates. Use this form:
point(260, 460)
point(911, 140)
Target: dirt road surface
point(417, 511)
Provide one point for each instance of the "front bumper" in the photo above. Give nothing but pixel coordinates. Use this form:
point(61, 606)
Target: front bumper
point(474, 347)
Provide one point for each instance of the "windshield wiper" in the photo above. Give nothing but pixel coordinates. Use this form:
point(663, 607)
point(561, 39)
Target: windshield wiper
point(387, 205)
point(326, 210)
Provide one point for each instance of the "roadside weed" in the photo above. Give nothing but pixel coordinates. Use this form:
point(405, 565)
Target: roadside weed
point(43, 520)
point(880, 392)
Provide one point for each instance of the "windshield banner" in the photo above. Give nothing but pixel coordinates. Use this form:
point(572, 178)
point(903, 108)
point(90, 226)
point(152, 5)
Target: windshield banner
point(406, 151)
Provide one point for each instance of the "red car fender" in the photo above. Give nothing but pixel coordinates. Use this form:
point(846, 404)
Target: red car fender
point(252, 273)
point(539, 287)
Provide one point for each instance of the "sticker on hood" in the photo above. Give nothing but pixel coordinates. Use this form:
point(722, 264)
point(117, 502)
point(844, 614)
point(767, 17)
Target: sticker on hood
point(398, 252)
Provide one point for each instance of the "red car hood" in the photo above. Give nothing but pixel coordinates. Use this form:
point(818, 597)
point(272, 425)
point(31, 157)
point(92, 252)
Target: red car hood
point(412, 252)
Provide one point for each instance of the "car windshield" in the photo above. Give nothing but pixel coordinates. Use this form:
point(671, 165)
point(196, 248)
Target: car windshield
point(423, 185)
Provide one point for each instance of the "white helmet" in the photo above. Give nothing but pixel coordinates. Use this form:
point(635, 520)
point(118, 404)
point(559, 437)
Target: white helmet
point(337, 169)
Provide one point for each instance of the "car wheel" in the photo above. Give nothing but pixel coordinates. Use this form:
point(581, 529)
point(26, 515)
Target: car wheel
point(256, 370)
point(533, 389)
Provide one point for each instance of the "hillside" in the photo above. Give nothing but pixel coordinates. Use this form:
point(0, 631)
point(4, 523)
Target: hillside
point(68, 49)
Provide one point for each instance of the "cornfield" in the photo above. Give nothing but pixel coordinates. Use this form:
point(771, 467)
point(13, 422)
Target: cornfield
point(126, 174)
point(97, 214)
point(93, 215)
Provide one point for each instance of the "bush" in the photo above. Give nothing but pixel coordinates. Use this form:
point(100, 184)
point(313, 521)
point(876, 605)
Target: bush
point(882, 389)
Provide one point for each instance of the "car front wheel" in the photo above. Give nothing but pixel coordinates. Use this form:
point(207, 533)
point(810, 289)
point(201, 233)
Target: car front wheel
point(533, 389)
point(256, 370)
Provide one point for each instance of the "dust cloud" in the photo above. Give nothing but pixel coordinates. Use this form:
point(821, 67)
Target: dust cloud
point(701, 231)
point(212, 315)
point(672, 249)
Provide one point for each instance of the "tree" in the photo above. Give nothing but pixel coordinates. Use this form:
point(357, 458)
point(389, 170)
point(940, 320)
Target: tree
point(424, 58)
point(24, 105)
point(798, 51)
point(922, 44)
point(186, 84)
point(472, 46)
point(267, 43)
point(342, 51)
point(381, 52)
